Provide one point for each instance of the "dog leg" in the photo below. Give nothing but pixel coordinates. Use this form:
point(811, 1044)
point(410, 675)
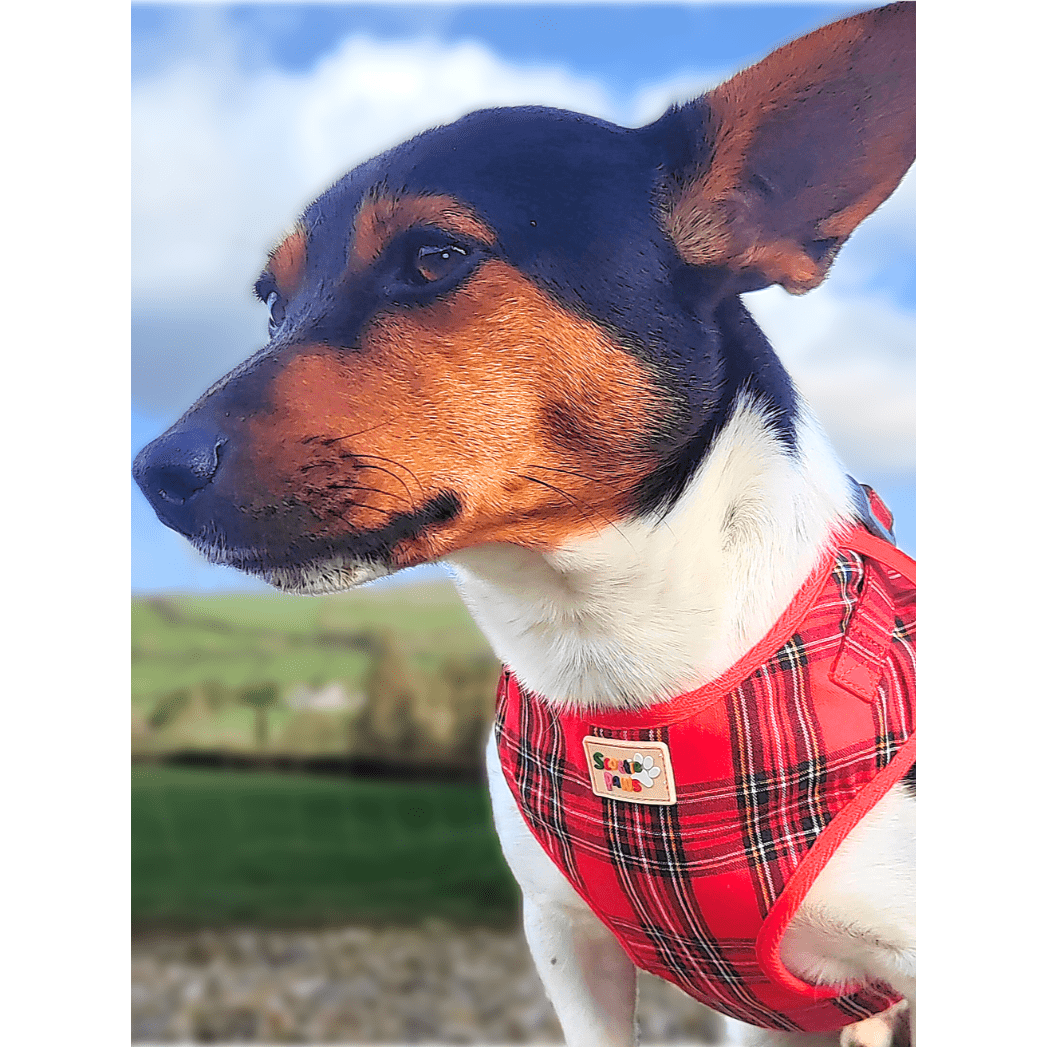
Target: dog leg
point(588, 977)
point(858, 921)
point(890, 1029)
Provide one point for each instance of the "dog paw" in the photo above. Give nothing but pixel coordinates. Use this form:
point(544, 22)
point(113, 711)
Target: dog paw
point(890, 1029)
point(648, 772)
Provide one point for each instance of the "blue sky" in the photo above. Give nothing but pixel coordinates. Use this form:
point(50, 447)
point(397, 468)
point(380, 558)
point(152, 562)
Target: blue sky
point(242, 114)
point(622, 44)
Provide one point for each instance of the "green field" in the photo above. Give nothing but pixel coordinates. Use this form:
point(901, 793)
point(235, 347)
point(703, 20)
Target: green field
point(217, 846)
point(214, 847)
point(238, 640)
point(236, 674)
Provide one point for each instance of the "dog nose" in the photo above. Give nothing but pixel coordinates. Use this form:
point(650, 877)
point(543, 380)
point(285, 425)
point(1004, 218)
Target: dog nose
point(176, 467)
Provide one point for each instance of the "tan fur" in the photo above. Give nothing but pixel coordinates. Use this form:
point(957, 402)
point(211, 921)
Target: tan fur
point(384, 215)
point(287, 261)
point(717, 218)
point(531, 414)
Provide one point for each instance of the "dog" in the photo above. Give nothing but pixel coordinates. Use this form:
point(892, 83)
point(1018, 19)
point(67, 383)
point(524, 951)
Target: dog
point(515, 344)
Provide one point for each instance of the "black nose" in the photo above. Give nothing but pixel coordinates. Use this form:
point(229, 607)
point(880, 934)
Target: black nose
point(176, 467)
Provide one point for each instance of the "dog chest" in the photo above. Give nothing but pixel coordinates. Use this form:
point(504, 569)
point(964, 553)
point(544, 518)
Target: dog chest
point(692, 828)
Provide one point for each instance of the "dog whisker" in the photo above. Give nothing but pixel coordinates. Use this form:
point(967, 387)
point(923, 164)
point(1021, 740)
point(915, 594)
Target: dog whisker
point(587, 510)
point(391, 461)
point(591, 479)
point(329, 441)
point(571, 472)
point(372, 490)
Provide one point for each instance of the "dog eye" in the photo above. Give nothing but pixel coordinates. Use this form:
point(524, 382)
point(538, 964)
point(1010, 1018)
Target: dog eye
point(276, 311)
point(434, 263)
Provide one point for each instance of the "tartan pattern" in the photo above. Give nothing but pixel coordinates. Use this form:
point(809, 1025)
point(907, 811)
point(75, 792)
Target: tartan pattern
point(789, 785)
point(761, 770)
point(537, 771)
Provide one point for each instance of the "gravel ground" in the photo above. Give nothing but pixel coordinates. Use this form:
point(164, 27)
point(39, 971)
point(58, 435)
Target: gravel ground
point(363, 985)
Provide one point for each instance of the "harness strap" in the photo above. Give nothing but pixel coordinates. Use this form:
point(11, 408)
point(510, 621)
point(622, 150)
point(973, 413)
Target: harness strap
point(858, 666)
point(874, 515)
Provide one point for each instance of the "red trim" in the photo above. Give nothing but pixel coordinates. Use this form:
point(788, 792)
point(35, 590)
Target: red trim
point(876, 548)
point(687, 705)
point(769, 938)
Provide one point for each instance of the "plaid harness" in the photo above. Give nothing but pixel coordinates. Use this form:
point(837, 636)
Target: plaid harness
point(771, 765)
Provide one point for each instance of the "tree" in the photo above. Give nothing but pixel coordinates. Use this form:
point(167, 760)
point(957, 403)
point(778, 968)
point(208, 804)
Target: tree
point(261, 697)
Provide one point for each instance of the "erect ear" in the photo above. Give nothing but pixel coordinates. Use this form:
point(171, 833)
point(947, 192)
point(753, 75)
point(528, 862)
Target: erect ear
point(804, 145)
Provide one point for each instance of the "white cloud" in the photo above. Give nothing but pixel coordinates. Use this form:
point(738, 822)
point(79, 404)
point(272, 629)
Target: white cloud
point(887, 236)
point(853, 360)
point(224, 157)
point(652, 99)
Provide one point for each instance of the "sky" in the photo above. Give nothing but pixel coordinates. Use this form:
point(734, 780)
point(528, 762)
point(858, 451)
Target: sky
point(241, 115)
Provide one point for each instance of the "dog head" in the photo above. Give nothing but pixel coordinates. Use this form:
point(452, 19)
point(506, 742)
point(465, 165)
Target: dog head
point(526, 324)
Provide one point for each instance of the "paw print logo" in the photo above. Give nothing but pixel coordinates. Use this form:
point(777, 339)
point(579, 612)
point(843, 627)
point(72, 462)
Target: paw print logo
point(648, 771)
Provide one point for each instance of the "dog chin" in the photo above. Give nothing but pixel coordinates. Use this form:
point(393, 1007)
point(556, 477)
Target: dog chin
point(336, 574)
point(328, 576)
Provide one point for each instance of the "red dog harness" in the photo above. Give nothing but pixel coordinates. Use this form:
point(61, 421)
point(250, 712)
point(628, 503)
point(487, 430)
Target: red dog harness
point(694, 828)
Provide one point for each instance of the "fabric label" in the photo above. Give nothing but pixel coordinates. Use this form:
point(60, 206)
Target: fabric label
point(637, 772)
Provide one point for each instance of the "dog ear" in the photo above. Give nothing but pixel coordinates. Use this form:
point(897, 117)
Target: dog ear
point(798, 150)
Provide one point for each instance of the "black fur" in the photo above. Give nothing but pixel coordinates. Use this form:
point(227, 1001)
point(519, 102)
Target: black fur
point(575, 203)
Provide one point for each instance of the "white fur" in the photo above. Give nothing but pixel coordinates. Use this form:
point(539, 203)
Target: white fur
point(649, 608)
point(645, 610)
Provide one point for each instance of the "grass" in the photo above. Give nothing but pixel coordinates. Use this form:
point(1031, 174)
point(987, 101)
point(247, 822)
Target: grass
point(287, 639)
point(213, 847)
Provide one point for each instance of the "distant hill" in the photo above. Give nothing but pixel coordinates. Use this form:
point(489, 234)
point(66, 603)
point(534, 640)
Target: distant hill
point(234, 672)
